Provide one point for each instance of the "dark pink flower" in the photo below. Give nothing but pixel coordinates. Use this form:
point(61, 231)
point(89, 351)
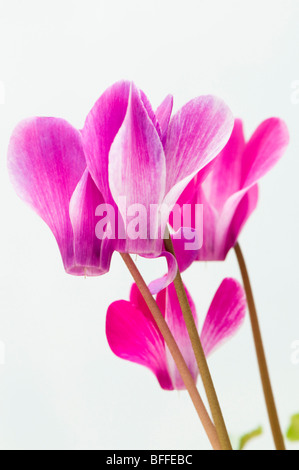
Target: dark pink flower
point(125, 152)
point(133, 335)
point(229, 193)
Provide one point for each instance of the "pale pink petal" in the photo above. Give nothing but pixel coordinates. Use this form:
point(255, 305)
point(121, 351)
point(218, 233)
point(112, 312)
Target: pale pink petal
point(46, 162)
point(100, 128)
point(196, 135)
point(225, 315)
point(242, 213)
point(163, 113)
point(168, 302)
point(133, 337)
point(92, 255)
point(150, 112)
point(263, 150)
point(186, 245)
point(137, 173)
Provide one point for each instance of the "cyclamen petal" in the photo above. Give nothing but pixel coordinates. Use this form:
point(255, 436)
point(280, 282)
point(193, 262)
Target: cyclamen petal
point(133, 337)
point(168, 303)
point(137, 173)
point(161, 283)
point(229, 194)
point(196, 134)
point(92, 255)
point(101, 126)
point(127, 157)
point(46, 162)
point(225, 315)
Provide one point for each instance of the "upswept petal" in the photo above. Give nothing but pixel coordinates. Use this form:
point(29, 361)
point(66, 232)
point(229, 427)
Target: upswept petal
point(242, 213)
point(133, 337)
point(186, 245)
point(263, 150)
point(163, 113)
point(161, 283)
point(150, 112)
point(92, 255)
point(46, 162)
point(100, 128)
point(196, 135)
point(137, 173)
point(169, 305)
point(226, 176)
point(225, 315)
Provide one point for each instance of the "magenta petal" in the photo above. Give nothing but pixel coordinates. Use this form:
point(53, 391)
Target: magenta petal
point(196, 135)
point(45, 162)
point(133, 337)
point(138, 301)
point(100, 128)
point(242, 213)
point(158, 284)
point(186, 245)
point(92, 255)
point(137, 173)
point(163, 114)
point(168, 302)
point(225, 315)
point(263, 150)
point(150, 112)
point(225, 178)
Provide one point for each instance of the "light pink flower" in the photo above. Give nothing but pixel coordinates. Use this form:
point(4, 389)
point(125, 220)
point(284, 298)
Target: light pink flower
point(133, 335)
point(125, 150)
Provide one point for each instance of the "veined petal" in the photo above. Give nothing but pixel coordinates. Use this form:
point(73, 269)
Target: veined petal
point(263, 150)
point(92, 255)
point(133, 337)
point(242, 213)
point(168, 303)
point(45, 162)
point(138, 301)
point(226, 176)
point(100, 128)
point(225, 315)
point(186, 245)
point(137, 173)
point(150, 112)
point(196, 135)
point(163, 113)
point(158, 284)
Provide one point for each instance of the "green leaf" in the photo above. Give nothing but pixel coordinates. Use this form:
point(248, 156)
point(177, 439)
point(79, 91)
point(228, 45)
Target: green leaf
point(293, 431)
point(250, 435)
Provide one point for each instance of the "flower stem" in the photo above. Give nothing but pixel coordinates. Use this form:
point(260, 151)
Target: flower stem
point(264, 373)
point(199, 354)
point(175, 352)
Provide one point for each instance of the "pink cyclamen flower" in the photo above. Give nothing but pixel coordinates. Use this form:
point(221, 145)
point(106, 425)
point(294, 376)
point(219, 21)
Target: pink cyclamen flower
point(126, 156)
point(133, 335)
point(229, 194)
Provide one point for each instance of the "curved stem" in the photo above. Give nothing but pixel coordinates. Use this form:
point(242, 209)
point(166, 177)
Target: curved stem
point(261, 357)
point(199, 354)
point(175, 352)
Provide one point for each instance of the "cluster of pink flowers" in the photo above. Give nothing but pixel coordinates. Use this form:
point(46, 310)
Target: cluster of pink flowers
point(127, 151)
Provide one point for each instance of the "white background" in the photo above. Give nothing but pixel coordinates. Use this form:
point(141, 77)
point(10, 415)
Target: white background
point(61, 387)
